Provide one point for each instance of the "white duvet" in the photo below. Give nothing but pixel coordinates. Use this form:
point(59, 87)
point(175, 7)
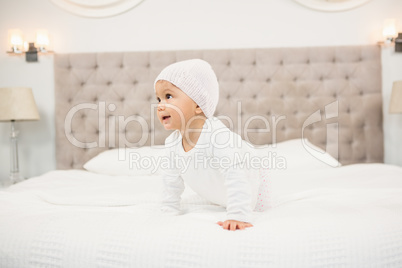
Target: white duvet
point(341, 217)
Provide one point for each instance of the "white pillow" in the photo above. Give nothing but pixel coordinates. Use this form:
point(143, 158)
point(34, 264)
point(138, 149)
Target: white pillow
point(128, 161)
point(296, 154)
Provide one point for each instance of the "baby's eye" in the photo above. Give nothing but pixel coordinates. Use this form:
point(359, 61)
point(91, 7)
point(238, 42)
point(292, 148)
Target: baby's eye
point(168, 96)
point(158, 99)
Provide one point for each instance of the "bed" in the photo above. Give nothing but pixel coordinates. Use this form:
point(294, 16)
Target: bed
point(319, 109)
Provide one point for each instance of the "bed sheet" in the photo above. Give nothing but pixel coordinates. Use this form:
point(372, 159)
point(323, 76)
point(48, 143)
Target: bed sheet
point(342, 217)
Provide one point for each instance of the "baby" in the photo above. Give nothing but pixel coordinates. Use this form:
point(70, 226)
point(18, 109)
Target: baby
point(188, 93)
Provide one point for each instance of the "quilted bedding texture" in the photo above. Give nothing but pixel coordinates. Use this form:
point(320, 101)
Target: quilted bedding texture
point(344, 217)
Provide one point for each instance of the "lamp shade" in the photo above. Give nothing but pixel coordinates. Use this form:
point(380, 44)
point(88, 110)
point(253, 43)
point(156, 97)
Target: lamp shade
point(395, 106)
point(17, 103)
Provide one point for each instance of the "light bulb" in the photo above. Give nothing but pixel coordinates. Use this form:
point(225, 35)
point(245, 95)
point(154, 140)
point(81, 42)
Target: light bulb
point(42, 40)
point(16, 40)
point(389, 31)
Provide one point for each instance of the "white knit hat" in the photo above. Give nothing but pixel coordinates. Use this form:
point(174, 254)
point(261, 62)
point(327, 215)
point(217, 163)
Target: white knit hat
point(195, 78)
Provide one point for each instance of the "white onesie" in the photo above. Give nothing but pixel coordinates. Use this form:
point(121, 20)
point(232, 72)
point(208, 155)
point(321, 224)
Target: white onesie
point(217, 168)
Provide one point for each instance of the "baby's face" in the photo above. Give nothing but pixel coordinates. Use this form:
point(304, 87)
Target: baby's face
point(175, 108)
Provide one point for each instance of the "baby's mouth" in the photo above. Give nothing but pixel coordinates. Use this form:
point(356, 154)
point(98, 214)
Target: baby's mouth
point(165, 117)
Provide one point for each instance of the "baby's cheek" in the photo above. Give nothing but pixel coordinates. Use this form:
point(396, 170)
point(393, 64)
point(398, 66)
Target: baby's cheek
point(179, 117)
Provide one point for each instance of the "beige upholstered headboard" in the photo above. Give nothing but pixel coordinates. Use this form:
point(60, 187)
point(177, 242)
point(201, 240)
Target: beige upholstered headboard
point(106, 100)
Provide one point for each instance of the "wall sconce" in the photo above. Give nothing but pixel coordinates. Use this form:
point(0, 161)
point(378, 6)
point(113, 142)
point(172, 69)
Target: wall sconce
point(19, 46)
point(391, 36)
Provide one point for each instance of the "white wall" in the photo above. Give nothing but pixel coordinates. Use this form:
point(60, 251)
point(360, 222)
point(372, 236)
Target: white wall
point(172, 25)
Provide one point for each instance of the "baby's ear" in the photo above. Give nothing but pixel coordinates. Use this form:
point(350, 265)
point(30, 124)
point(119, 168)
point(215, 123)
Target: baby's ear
point(198, 110)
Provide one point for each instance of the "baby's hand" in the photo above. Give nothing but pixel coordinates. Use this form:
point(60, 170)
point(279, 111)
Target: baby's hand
point(232, 225)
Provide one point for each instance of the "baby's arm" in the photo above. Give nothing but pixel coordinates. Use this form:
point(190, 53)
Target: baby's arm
point(239, 197)
point(239, 190)
point(171, 196)
point(173, 185)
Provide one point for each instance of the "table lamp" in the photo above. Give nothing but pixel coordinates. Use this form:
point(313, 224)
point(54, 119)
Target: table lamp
point(395, 106)
point(16, 104)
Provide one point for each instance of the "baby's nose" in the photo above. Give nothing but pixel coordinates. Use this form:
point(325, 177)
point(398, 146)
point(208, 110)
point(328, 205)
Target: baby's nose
point(161, 106)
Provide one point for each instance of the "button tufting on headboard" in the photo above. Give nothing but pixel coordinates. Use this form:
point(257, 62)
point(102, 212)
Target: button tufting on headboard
point(285, 86)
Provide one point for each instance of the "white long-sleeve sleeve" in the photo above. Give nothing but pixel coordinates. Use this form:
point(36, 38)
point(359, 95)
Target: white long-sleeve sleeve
point(239, 195)
point(237, 178)
point(173, 188)
point(171, 196)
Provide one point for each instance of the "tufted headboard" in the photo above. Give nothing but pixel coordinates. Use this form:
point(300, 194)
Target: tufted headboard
point(106, 100)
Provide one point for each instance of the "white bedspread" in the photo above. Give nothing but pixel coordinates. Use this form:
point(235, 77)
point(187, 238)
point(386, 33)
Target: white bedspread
point(344, 217)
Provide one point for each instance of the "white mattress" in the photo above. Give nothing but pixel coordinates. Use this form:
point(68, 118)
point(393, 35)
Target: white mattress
point(344, 217)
